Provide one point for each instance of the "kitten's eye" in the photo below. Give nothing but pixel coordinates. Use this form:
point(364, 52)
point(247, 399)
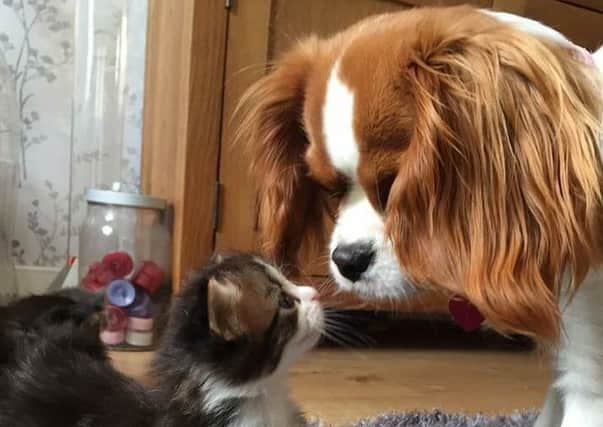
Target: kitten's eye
point(286, 301)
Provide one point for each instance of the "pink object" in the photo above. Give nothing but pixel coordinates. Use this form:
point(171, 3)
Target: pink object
point(112, 337)
point(465, 314)
point(119, 264)
point(116, 319)
point(140, 323)
point(149, 276)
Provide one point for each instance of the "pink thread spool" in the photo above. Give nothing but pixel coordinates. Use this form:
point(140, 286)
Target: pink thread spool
point(113, 337)
point(140, 323)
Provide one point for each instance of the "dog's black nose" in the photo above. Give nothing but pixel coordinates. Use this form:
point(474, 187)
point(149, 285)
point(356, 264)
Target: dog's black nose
point(353, 260)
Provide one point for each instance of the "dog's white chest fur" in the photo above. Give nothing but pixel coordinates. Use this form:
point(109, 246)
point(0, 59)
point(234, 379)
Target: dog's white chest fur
point(576, 396)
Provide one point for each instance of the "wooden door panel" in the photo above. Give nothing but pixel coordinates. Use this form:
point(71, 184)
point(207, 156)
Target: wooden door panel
point(246, 59)
point(583, 26)
point(295, 19)
point(182, 110)
point(595, 5)
point(478, 3)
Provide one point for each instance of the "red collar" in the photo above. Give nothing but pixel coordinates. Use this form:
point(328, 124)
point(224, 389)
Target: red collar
point(465, 314)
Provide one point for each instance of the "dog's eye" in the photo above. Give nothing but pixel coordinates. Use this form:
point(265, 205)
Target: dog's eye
point(331, 192)
point(384, 186)
point(335, 190)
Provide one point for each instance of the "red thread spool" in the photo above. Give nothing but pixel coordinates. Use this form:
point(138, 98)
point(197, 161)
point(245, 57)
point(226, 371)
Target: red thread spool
point(119, 263)
point(116, 319)
point(149, 276)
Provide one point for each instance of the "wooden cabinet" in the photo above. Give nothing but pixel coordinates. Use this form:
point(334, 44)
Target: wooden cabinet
point(201, 58)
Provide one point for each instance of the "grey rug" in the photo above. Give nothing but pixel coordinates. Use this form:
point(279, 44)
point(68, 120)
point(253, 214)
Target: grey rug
point(441, 419)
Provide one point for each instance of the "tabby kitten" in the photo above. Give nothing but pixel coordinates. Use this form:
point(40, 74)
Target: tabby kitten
point(232, 336)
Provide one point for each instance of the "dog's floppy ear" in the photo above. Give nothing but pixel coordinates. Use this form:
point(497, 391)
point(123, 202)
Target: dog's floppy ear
point(290, 211)
point(499, 192)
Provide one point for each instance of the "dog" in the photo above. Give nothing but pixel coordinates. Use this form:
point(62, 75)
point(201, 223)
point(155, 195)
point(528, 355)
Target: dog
point(457, 149)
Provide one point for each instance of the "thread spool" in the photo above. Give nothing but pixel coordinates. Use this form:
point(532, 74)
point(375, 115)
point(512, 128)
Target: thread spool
point(139, 338)
point(116, 319)
point(142, 305)
point(140, 324)
point(121, 293)
point(112, 337)
point(148, 277)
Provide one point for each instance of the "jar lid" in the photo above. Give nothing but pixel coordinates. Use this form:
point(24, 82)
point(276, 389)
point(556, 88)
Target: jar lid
point(106, 197)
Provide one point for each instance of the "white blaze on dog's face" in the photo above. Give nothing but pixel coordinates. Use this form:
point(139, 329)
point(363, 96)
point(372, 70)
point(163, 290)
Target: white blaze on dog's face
point(361, 257)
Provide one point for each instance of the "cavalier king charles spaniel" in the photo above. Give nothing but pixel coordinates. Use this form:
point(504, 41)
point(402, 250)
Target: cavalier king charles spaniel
point(456, 148)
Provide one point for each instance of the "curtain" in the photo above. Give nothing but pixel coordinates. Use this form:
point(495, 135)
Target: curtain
point(61, 151)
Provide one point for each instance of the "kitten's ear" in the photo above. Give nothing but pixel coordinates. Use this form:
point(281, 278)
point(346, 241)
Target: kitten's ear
point(222, 299)
point(220, 257)
point(217, 258)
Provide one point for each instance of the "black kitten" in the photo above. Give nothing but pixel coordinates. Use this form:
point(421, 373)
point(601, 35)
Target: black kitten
point(55, 371)
point(41, 313)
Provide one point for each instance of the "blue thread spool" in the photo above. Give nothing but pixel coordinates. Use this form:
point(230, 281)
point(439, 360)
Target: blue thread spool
point(121, 293)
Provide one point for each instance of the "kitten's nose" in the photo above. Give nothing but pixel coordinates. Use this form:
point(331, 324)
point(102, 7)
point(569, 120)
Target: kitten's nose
point(308, 293)
point(353, 260)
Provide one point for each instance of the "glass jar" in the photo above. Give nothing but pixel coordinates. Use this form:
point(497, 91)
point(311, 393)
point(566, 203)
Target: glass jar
point(10, 142)
point(124, 252)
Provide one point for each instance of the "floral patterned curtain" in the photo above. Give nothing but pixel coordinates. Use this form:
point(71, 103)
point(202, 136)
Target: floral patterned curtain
point(38, 40)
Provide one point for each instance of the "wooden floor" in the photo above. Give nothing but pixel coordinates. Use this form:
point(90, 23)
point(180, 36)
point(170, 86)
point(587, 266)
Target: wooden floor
point(343, 385)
